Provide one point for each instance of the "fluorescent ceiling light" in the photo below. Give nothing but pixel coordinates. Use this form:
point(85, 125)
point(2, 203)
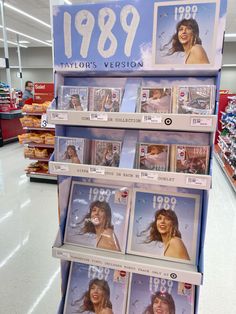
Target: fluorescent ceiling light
point(27, 36)
point(229, 35)
point(68, 1)
point(24, 42)
point(13, 43)
point(9, 6)
point(49, 41)
point(229, 65)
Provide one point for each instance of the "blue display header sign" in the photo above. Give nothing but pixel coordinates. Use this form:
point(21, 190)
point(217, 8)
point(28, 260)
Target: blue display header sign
point(139, 35)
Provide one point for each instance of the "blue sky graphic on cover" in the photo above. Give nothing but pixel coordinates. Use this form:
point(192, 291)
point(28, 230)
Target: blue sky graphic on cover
point(127, 35)
point(115, 206)
point(108, 280)
point(167, 296)
point(145, 205)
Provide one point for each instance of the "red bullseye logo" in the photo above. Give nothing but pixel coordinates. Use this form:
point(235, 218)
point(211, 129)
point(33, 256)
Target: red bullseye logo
point(187, 286)
point(122, 273)
point(124, 194)
point(182, 94)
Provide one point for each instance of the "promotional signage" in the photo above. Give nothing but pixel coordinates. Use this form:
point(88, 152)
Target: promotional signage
point(125, 36)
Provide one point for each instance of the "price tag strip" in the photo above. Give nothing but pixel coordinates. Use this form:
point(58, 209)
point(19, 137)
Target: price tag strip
point(98, 116)
point(201, 122)
point(44, 122)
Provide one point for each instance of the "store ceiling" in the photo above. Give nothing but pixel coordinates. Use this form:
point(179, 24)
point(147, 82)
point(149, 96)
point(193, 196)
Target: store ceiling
point(41, 10)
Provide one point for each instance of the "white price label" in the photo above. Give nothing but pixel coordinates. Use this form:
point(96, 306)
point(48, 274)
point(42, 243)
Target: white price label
point(151, 175)
point(201, 182)
point(201, 122)
point(59, 116)
point(151, 119)
point(98, 116)
point(60, 168)
point(97, 170)
point(66, 255)
point(44, 122)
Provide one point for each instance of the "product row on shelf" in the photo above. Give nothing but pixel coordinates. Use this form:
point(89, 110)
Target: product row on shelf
point(225, 148)
point(9, 98)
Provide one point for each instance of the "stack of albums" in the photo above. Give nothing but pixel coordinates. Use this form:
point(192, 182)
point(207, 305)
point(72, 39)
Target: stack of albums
point(98, 216)
point(90, 98)
point(93, 289)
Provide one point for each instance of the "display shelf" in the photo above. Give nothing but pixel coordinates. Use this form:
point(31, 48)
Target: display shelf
point(225, 166)
point(137, 264)
point(41, 177)
point(38, 129)
point(39, 159)
point(33, 113)
point(38, 145)
point(184, 122)
point(194, 181)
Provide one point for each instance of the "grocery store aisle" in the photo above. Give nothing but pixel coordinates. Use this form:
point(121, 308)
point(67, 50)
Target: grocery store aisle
point(30, 280)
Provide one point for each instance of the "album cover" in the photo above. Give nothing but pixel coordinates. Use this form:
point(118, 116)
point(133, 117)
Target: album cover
point(152, 295)
point(155, 100)
point(105, 99)
point(195, 99)
point(93, 289)
point(190, 159)
point(184, 33)
point(106, 153)
point(153, 157)
point(98, 216)
point(73, 98)
point(71, 150)
point(164, 225)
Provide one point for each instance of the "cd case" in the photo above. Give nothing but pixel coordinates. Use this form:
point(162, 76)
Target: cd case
point(72, 150)
point(153, 156)
point(155, 100)
point(73, 98)
point(93, 287)
point(98, 216)
point(164, 225)
point(149, 295)
point(105, 99)
point(190, 159)
point(106, 153)
point(195, 99)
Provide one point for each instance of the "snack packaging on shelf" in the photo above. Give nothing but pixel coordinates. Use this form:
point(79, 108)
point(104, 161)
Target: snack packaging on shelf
point(92, 206)
point(89, 286)
point(165, 225)
point(41, 153)
point(73, 98)
point(155, 100)
point(153, 156)
point(106, 153)
point(156, 295)
point(105, 99)
point(24, 138)
point(29, 152)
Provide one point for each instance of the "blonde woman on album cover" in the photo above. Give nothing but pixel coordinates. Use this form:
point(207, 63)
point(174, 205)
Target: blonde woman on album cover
point(98, 221)
point(161, 303)
point(187, 40)
point(165, 229)
point(97, 298)
point(71, 155)
point(158, 102)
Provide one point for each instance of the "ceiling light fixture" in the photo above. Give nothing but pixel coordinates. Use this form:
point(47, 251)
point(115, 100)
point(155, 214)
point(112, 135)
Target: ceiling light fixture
point(24, 42)
point(68, 2)
point(230, 65)
point(229, 35)
point(13, 43)
point(27, 36)
point(9, 6)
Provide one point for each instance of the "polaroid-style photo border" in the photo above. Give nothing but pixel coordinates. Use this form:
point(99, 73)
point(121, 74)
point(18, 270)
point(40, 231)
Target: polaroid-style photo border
point(195, 240)
point(62, 96)
point(154, 40)
point(91, 98)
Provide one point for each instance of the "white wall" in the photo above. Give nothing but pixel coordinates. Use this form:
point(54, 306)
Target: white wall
point(228, 75)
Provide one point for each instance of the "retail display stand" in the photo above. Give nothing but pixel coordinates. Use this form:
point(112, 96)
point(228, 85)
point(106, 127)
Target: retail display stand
point(225, 140)
point(113, 57)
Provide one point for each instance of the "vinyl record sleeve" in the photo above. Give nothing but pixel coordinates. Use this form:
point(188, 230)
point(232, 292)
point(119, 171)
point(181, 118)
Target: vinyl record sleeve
point(195, 99)
point(164, 225)
point(73, 98)
point(105, 99)
point(153, 156)
point(72, 150)
point(106, 153)
point(155, 100)
point(98, 216)
point(99, 283)
point(149, 295)
point(190, 159)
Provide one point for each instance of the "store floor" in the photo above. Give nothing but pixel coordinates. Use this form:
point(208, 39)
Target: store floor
point(29, 276)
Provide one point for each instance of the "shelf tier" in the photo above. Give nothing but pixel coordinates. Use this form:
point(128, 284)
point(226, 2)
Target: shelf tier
point(180, 122)
point(39, 129)
point(33, 113)
point(136, 264)
point(38, 145)
point(41, 175)
point(193, 181)
point(39, 159)
point(225, 166)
